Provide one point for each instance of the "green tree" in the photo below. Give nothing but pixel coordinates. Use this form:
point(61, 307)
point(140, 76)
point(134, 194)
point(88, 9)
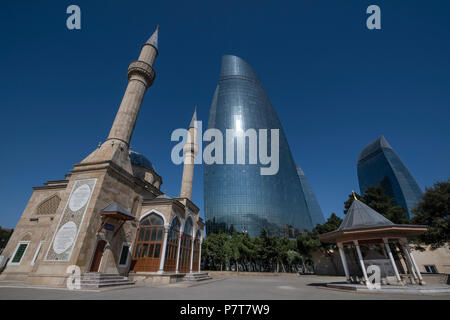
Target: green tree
point(307, 243)
point(216, 251)
point(4, 237)
point(293, 259)
point(330, 225)
point(286, 246)
point(434, 212)
point(235, 248)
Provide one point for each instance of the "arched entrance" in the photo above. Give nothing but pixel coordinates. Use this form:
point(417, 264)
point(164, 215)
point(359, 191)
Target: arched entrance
point(170, 262)
point(149, 241)
point(98, 256)
point(184, 264)
point(195, 262)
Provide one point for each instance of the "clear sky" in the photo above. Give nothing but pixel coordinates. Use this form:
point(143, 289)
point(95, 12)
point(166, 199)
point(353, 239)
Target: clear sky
point(335, 84)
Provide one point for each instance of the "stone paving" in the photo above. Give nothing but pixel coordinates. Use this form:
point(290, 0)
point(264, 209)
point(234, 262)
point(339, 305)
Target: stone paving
point(225, 288)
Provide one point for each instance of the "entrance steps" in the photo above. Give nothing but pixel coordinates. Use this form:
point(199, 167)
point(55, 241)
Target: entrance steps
point(198, 276)
point(95, 280)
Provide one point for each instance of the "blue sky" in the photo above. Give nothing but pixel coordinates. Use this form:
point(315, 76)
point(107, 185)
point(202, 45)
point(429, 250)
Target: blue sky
point(335, 84)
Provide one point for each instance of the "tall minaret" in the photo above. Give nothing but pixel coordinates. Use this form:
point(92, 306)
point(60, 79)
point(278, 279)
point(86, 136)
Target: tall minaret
point(140, 77)
point(190, 149)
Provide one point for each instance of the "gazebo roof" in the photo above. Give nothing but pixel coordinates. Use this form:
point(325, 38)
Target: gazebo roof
point(361, 215)
point(364, 223)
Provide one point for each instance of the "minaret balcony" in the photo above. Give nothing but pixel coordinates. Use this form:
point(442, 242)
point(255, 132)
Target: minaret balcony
point(143, 70)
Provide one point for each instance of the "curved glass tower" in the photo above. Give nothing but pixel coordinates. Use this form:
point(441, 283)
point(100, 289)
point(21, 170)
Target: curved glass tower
point(311, 201)
point(237, 195)
point(379, 165)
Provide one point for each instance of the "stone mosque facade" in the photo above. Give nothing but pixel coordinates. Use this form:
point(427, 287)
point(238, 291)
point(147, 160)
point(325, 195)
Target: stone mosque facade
point(109, 216)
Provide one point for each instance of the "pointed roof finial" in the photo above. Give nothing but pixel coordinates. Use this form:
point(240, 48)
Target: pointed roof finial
point(153, 40)
point(194, 118)
point(354, 195)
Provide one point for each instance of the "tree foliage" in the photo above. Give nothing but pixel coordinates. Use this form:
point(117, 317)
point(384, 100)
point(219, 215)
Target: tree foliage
point(5, 234)
point(434, 212)
point(240, 252)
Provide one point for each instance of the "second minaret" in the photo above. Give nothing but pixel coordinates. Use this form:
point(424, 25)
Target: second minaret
point(190, 149)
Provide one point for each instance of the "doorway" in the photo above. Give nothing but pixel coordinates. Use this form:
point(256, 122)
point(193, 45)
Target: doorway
point(98, 256)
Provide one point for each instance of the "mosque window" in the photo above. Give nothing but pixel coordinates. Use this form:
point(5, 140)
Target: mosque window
point(196, 257)
point(20, 251)
point(49, 206)
point(186, 247)
point(149, 242)
point(123, 259)
point(170, 261)
point(431, 268)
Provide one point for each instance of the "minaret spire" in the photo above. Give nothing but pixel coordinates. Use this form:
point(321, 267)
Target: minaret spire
point(194, 118)
point(153, 40)
point(190, 149)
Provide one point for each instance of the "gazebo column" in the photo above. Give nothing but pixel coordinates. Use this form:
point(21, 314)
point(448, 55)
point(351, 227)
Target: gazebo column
point(344, 260)
point(361, 261)
point(391, 257)
point(163, 252)
point(408, 249)
point(408, 260)
point(178, 252)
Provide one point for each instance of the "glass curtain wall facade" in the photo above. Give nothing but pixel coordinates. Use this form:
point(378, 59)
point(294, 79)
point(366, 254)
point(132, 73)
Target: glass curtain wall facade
point(379, 165)
point(237, 195)
point(311, 201)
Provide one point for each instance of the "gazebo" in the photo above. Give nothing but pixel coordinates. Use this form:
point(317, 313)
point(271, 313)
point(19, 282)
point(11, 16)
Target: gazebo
point(364, 226)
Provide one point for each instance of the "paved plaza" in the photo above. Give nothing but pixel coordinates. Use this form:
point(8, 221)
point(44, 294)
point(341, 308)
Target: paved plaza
point(224, 288)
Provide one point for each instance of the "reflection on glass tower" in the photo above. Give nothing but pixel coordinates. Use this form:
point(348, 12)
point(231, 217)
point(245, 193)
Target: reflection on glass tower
point(237, 195)
point(311, 201)
point(379, 165)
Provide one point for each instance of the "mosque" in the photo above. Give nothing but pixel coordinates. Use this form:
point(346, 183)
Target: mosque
point(108, 218)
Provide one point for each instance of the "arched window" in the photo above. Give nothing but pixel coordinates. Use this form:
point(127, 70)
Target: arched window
point(184, 265)
point(196, 259)
point(170, 262)
point(49, 206)
point(149, 241)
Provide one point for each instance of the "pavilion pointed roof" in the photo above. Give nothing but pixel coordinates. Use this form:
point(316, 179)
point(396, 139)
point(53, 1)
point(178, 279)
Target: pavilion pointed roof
point(153, 40)
point(361, 215)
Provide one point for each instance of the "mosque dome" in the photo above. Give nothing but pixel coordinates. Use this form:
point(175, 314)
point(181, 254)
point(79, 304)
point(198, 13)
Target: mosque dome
point(140, 160)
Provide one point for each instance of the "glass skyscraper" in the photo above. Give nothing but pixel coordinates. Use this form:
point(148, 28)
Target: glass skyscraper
point(311, 201)
point(379, 165)
point(237, 195)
